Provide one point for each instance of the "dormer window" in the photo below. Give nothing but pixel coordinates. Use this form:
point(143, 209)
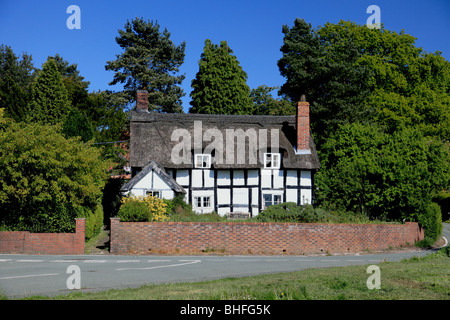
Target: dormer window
point(202, 161)
point(272, 160)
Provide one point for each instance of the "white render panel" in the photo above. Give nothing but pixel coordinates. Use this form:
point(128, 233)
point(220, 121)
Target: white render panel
point(223, 196)
point(183, 177)
point(197, 178)
point(208, 176)
point(252, 177)
point(305, 178)
point(223, 177)
point(291, 195)
point(278, 179)
point(223, 211)
point(152, 181)
point(167, 194)
point(240, 196)
point(255, 197)
point(238, 178)
point(305, 196)
point(266, 178)
point(291, 178)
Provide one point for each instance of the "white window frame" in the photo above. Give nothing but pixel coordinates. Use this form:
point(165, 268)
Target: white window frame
point(272, 198)
point(153, 192)
point(205, 202)
point(202, 164)
point(274, 157)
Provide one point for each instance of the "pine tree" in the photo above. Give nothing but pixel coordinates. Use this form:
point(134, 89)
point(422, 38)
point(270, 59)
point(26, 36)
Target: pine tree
point(150, 61)
point(16, 76)
point(220, 85)
point(49, 103)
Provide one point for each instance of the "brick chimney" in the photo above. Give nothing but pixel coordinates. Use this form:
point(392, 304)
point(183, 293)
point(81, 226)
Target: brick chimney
point(303, 126)
point(142, 101)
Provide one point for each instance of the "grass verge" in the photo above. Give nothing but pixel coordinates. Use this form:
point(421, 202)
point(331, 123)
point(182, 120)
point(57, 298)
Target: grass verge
point(426, 278)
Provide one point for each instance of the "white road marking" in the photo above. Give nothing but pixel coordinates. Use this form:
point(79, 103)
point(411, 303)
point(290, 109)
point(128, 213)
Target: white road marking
point(25, 260)
point(5, 260)
point(30, 276)
point(158, 260)
point(128, 261)
point(164, 266)
point(94, 261)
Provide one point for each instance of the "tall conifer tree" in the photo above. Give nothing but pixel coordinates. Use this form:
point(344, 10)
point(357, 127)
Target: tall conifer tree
point(49, 103)
point(220, 85)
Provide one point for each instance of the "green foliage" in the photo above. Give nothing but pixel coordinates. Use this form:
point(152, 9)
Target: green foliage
point(78, 125)
point(385, 176)
point(16, 76)
point(142, 209)
point(351, 73)
point(94, 220)
point(290, 212)
point(45, 179)
point(134, 212)
point(149, 61)
point(431, 220)
point(265, 104)
point(220, 84)
point(49, 102)
point(323, 66)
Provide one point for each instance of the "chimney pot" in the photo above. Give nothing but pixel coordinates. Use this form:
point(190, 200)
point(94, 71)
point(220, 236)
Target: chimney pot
point(142, 101)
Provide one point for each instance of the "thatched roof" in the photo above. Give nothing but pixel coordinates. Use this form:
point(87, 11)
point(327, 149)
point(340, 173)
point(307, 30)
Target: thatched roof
point(152, 133)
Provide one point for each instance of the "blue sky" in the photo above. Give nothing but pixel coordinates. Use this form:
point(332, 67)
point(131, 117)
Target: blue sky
point(251, 28)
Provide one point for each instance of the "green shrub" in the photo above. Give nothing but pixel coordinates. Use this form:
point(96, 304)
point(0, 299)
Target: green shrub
point(290, 212)
point(141, 209)
point(134, 212)
point(431, 221)
point(94, 220)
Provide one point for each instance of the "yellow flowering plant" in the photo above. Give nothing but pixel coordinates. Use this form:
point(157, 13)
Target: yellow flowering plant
point(138, 208)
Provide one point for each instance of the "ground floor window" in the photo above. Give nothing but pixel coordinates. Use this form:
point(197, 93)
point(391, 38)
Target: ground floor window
point(202, 202)
point(154, 193)
point(271, 199)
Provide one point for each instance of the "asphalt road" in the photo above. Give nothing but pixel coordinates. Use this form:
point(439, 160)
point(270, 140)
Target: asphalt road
point(47, 275)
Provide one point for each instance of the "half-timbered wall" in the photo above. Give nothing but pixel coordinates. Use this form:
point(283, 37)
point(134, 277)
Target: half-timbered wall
point(243, 190)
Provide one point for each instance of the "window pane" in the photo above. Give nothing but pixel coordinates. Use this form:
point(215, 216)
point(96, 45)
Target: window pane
point(267, 199)
point(206, 202)
point(205, 161)
point(277, 198)
point(275, 160)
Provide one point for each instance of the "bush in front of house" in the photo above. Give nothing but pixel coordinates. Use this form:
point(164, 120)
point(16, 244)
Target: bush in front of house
point(141, 209)
point(291, 212)
point(180, 211)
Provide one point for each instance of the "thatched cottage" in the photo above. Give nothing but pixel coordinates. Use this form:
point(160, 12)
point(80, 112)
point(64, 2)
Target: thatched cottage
point(222, 163)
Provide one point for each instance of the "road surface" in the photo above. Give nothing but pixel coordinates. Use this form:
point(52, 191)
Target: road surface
point(48, 275)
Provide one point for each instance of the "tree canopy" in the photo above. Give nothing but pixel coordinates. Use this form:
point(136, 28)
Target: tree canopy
point(220, 84)
point(150, 61)
point(49, 103)
point(46, 180)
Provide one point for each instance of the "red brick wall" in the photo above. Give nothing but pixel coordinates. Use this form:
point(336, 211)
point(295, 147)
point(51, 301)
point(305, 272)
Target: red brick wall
point(44, 243)
point(258, 238)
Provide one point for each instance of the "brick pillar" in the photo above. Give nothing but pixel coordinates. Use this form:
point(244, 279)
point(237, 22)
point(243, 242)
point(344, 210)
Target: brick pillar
point(80, 228)
point(114, 241)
